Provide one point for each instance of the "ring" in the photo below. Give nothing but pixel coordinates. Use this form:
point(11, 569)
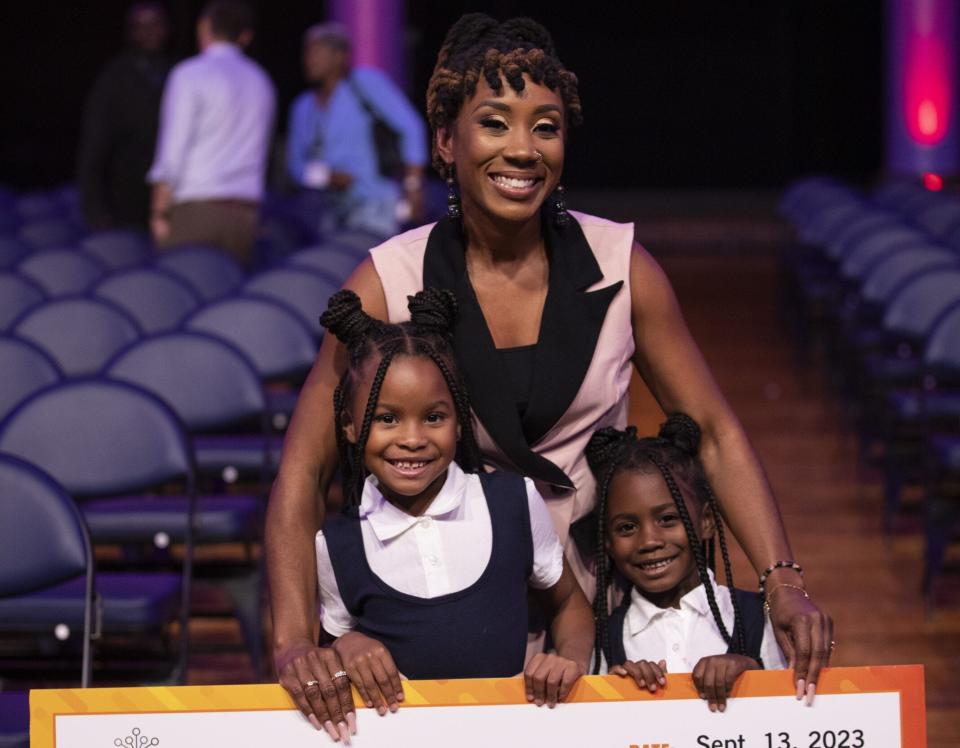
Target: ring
point(832, 644)
point(340, 674)
point(311, 684)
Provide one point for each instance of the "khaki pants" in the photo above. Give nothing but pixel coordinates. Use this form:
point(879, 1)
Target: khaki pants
point(230, 225)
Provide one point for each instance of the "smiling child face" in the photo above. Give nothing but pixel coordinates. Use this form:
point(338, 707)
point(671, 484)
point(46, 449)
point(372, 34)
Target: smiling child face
point(646, 538)
point(413, 436)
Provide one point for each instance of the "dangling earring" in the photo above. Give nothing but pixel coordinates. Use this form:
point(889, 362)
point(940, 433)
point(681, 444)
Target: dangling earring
point(453, 199)
point(560, 216)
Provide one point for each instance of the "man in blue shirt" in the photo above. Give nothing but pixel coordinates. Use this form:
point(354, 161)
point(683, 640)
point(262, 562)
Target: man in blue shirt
point(331, 146)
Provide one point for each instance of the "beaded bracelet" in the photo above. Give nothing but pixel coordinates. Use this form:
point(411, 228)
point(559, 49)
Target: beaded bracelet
point(778, 565)
point(766, 600)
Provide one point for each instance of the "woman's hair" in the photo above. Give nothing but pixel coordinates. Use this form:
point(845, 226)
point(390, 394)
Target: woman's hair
point(427, 335)
point(672, 454)
point(477, 45)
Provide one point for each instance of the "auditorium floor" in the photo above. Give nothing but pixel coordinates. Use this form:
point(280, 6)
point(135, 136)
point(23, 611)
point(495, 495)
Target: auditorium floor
point(869, 583)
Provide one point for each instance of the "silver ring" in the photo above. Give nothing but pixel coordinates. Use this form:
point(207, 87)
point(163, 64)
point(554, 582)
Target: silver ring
point(311, 684)
point(340, 674)
point(539, 157)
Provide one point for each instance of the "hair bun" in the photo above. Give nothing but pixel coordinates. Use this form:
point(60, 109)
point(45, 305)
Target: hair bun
point(682, 432)
point(529, 32)
point(433, 310)
point(346, 319)
point(605, 446)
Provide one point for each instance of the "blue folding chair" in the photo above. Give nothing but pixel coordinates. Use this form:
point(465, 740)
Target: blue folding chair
point(938, 218)
point(61, 272)
point(47, 233)
point(17, 294)
point(357, 239)
point(35, 205)
point(26, 368)
point(210, 272)
point(156, 298)
point(99, 438)
point(886, 276)
point(12, 250)
point(876, 246)
point(332, 259)
point(79, 333)
point(118, 248)
point(305, 290)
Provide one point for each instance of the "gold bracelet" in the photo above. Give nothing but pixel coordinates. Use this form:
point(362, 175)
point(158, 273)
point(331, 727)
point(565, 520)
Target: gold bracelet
point(766, 601)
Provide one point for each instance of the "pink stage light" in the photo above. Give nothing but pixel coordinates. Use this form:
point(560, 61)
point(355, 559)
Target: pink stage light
point(928, 77)
point(933, 182)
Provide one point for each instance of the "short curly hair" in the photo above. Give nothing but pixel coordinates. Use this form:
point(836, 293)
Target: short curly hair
point(480, 45)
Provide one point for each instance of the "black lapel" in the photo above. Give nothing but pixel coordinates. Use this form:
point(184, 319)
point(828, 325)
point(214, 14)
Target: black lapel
point(572, 318)
point(568, 334)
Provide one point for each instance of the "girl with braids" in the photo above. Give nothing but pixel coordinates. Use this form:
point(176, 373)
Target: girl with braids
point(659, 518)
point(557, 309)
point(427, 570)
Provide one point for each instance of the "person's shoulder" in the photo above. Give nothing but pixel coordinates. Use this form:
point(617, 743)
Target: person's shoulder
point(411, 241)
point(365, 74)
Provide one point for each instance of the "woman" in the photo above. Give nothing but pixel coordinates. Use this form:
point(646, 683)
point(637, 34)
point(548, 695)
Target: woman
point(555, 310)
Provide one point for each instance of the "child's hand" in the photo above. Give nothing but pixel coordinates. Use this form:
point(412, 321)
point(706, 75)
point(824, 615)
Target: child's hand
point(548, 678)
point(371, 670)
point(714, 677)
point(647, 674)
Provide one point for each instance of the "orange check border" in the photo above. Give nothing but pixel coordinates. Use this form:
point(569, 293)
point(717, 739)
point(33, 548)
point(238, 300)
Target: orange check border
point(46, 705)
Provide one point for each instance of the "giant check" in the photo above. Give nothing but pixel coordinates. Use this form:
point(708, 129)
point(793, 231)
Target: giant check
point(867, 707)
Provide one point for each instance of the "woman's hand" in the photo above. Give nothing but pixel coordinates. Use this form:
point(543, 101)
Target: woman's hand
point(372, 670)
point(307, 673)
point(714, 677)
point(548, 678)
point(804, 633)
point(649, 675)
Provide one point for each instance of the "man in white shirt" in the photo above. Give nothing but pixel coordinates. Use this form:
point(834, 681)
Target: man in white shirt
point(215, 124)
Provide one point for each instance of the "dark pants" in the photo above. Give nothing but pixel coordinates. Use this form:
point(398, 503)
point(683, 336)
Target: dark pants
point(230, 225)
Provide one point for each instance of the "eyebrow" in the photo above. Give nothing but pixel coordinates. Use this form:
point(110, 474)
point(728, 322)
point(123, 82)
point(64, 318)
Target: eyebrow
point(431, 406)
point(503, 107)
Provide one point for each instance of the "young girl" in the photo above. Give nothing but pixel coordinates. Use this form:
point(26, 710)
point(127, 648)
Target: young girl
point(658, 520)
point(427, 570)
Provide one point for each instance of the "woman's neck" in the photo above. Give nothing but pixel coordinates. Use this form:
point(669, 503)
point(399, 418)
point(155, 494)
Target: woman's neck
point(490, 242)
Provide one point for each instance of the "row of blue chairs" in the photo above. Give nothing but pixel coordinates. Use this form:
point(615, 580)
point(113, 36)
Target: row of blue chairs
point(872, 288)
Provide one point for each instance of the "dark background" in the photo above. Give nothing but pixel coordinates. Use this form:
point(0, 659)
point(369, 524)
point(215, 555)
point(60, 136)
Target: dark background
point(676, 94)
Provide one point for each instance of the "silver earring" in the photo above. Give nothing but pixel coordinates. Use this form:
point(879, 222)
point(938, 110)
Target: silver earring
point(453, 199)
point(560, 216)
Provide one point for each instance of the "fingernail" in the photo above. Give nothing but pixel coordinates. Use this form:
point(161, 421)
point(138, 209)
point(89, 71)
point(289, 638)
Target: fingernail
point(703, 696)
point(801, 687)
point(331, 731)
point(811, 692)
point(662, 681)
point(381, 710)
point(394, 707)
point(723, 707)
point(315, 722)
point(344, 732)
point(400, 696)
point(352, 722)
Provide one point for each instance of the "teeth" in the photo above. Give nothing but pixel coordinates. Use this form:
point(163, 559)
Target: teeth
point(407, 465)
point(511, 182)
point(653, 565)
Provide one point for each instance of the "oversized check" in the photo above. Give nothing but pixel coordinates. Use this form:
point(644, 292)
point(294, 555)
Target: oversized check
point(866, 707)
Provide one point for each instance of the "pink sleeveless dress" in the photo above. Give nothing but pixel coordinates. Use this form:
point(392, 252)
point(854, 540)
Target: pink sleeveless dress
point(582, 364)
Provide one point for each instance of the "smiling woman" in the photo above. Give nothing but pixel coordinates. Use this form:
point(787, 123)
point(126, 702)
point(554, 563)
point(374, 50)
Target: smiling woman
point(556, 311)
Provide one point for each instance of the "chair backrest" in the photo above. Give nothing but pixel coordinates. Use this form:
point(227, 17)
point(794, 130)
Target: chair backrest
point(919, 303)
point(943, 347)
point(891, 195)
point(17, 294)
point(849, 236)
point(12, 250)
point(823, 224)
point(207, 381)
point(939, 217)
point(886, 276)
point(98, 437)
point(48, 232)
point(303, 289)
point(118, 248)
point(873, 247)
point(36, 205)
point(79, 333)
point(156, 298)
point(271, 334)
point(211, 272)
point(61, 272)
point(356, 239)
point(25, 369)
point(332, 259)
point(43, 538)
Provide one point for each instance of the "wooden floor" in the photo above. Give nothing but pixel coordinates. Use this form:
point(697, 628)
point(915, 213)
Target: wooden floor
point(867, 582)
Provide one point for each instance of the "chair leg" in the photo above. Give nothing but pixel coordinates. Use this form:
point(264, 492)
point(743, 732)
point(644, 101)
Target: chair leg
point(941, 517)
point(246, 592)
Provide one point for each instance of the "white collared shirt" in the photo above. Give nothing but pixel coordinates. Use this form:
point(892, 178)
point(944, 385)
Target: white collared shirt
point(444, 550)
point(685, 635)
point(215, 124)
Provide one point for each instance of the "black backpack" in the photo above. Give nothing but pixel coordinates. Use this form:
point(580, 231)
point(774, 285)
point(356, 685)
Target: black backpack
point(385, 139)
